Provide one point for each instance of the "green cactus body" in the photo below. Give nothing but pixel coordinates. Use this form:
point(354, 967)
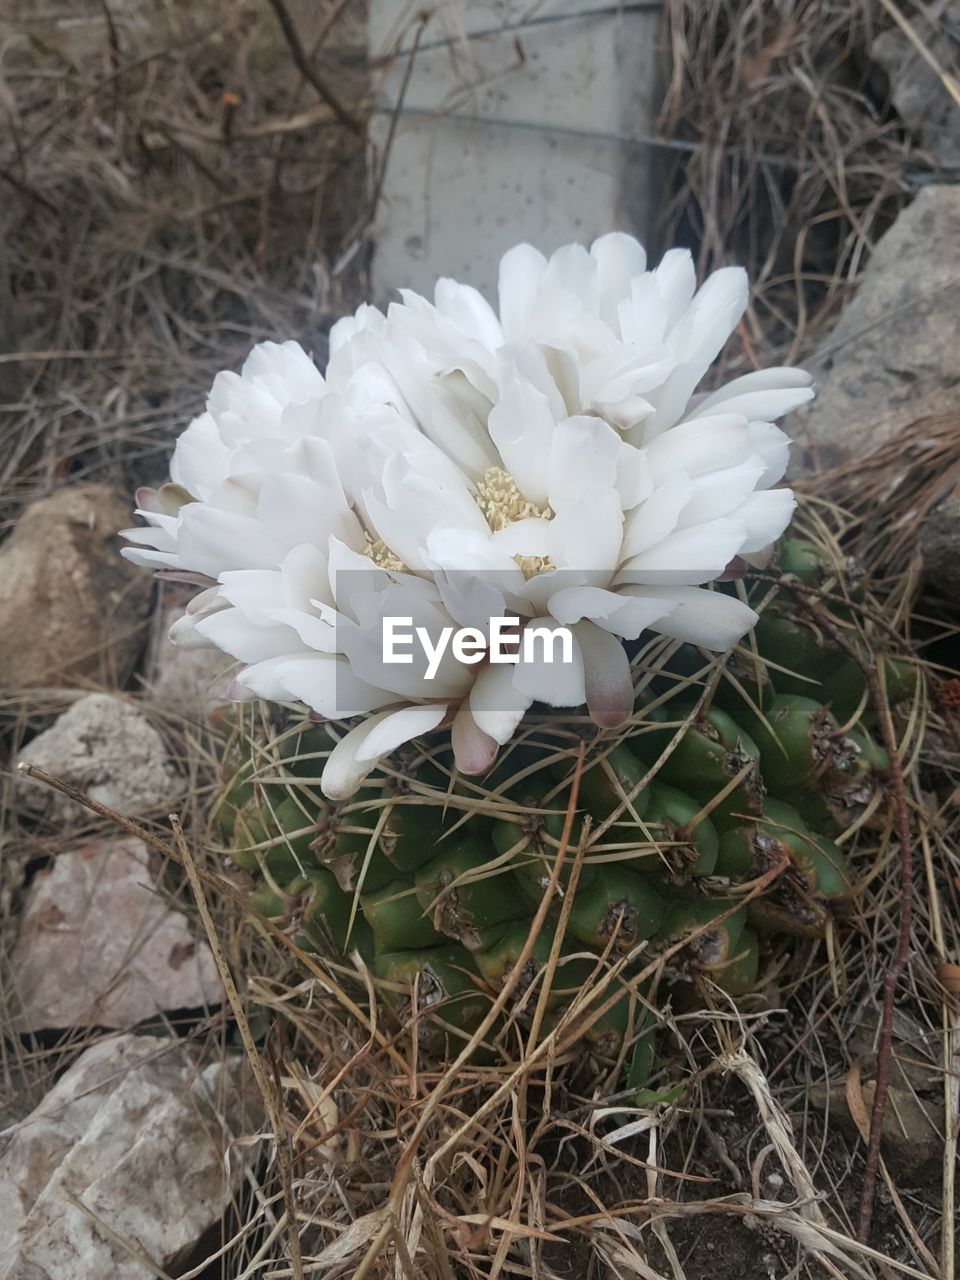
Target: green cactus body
point(712, 752)
point(685, 850)
point(438, 984)
point(435, 879)
point(497, 960)
point(464, 896)
point(397, 918)
point(616, 906)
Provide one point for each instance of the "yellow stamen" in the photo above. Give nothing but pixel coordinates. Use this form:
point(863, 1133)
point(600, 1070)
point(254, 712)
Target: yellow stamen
point(381, 555)
point(502, 504)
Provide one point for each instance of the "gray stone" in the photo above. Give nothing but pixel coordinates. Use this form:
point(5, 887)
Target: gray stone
point(187, 682)
point(513, 127)
point(918, 93)
point(896, 342)
point(108, 749)
point(71, 609)
point(912, 1132)
point(915, 1062)
point(99, 947)
point(141, 1135)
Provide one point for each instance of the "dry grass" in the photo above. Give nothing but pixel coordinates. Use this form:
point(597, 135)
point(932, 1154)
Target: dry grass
point(173, 193)
point(798, 163)
point(154, 228)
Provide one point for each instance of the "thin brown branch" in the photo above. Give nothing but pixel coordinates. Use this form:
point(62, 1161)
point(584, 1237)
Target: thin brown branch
point(308, 71)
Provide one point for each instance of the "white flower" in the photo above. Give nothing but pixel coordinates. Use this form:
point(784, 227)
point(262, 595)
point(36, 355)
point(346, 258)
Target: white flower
point(457, 465)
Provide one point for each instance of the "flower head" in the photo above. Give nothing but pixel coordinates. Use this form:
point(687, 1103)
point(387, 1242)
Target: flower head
point(549, 462)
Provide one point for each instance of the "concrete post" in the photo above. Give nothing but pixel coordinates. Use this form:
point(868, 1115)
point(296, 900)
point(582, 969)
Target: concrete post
point(517, 121)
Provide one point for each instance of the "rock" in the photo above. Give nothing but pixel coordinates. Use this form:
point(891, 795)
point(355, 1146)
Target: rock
point(188, 682)
point(912, 1136)
point(107, 748)
point(919, 95)
point(144, 1137)
point(896, 341)
point(99, 947)
point(911, 1066)
point(71, 609)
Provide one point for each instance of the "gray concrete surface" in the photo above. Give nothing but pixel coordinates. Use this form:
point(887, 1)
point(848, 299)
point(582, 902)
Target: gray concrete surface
point(518, 121)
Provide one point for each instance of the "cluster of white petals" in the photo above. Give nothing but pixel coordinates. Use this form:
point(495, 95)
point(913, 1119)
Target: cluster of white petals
point(551, 462)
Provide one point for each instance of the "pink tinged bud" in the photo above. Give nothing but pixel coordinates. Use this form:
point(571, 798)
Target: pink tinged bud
point(149, 500)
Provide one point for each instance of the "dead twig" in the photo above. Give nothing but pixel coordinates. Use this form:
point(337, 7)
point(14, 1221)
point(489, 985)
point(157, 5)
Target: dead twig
point(308, 70)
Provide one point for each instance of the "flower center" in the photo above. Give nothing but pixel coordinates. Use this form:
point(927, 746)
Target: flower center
point(501, 504)
point(381, 555)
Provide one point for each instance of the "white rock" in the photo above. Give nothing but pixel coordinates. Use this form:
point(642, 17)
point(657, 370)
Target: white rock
point(108, 749)
point(142, 1135)
point(99, 947)
point(188, 682)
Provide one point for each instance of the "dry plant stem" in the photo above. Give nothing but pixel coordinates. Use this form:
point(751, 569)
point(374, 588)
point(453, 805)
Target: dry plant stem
point(898, 962)
point(268, 1092)
point(307, 70)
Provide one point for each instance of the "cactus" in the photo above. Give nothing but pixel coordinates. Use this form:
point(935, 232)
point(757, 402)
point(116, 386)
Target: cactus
point(702, 834)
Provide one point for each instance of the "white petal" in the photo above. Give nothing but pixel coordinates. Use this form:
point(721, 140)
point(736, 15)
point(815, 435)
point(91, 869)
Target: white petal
point(496, 704)
point(698, 339)
point(201, 460)
point(399, 727)
point(700, 616)
point(232, 632)
point(721, 493)
point(656, 518)
point(469, 311)
point(469, 551)
point(619, 258)
point(323, 682)
point(527, 537)
point(773, 447)
point(213, 541)
point(584, 454)
point(766, 515)
point(557, 683)
point(765, 393)
point(721, 440)
point(587, 535)
point(676, 280)
point(521, 425)
point(521, 270)
point(343, 773)
point(687, 556)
